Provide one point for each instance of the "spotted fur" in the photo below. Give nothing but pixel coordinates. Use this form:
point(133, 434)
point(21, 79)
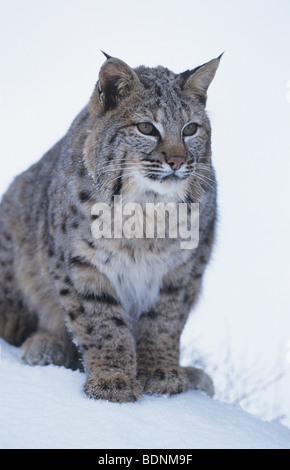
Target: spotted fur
point(117, 306)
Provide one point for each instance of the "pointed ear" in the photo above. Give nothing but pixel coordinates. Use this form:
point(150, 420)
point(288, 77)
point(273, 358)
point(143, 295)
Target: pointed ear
point(198, 80)
point(116, 81)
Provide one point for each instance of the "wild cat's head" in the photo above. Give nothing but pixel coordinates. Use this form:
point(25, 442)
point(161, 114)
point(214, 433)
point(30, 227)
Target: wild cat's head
point(150, 132)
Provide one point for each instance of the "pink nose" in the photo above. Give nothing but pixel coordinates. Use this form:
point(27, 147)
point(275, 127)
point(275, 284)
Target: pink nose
point(176, 161)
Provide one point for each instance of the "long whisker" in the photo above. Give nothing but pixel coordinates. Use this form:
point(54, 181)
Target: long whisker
point(116, 169)
point(147, 169)
point(123, 175)
point(203, 180)
point(113, 166)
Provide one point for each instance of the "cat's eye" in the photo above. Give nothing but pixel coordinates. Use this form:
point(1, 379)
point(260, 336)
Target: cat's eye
point(147, 128)
point(190, 129)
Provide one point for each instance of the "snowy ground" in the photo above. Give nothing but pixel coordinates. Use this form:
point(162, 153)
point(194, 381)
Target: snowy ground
point(43, 407)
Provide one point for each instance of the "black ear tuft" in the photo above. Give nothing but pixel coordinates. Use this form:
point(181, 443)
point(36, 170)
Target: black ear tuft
point(106, 55)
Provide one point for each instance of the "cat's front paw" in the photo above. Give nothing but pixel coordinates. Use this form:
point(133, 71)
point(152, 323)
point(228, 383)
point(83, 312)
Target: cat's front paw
point(116, 387)
point(164, 380)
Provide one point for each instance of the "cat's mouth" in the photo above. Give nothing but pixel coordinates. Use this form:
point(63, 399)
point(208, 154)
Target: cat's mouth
point(174, 177)
point(167, 177)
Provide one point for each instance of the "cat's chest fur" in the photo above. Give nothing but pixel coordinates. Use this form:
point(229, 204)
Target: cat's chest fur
point(137, 277)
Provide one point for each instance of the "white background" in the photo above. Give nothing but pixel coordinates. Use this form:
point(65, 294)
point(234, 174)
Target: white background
point(49, 61)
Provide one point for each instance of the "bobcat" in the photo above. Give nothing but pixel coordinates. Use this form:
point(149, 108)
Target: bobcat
point(115, 306)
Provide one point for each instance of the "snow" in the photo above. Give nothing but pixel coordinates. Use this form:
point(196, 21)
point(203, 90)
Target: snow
point(44, 408)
